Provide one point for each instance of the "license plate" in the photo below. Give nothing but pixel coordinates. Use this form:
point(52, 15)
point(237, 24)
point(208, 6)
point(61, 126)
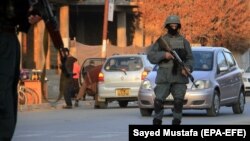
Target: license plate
point(170, 97)
point(122, 92)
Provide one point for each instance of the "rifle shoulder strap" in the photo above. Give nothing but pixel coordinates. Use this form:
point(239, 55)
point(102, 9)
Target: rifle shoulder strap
point(163, 43)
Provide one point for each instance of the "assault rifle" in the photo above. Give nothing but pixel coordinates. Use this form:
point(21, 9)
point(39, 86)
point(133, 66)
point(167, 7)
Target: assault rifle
point(163, 43)
point(43, 9)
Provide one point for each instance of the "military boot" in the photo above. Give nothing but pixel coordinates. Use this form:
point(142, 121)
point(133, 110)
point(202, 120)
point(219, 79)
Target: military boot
point(157, 121)
point(176, 121)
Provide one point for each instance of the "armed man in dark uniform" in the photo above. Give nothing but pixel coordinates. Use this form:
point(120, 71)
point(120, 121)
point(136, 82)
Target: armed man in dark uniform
point(14, 18)
point(171, 77)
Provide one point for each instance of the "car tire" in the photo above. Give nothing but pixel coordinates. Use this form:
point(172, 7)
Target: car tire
point(146, 112)
point(215, 107)
point(123, 104)
point(101, 105)
point(238, 107)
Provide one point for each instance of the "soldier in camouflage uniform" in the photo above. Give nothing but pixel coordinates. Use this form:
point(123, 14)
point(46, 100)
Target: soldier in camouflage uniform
point(171, 78)
point(13, 18)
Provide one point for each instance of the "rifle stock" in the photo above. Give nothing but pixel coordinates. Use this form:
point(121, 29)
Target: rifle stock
point(163, 43)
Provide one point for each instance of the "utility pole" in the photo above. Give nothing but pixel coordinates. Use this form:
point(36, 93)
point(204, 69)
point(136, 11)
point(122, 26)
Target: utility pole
point(105, 28)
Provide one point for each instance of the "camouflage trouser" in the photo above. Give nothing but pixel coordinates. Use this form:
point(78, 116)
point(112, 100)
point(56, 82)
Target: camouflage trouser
point(162, 91)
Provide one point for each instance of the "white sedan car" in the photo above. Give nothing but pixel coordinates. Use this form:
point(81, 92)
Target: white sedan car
point(120, 79)
point(246, 79)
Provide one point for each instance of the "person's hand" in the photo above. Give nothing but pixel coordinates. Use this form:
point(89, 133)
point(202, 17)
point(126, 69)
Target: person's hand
point(34, 19)
point(185, 72)
point(169, 56)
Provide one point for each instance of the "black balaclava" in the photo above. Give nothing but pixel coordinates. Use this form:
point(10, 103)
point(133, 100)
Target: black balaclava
point(172, 31)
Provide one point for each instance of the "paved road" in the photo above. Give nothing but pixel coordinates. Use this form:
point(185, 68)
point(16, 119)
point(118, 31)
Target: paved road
point(88, 124)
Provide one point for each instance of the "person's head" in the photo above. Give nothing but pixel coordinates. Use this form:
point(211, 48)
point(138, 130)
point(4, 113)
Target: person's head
point(203, 41)
point(172, 24)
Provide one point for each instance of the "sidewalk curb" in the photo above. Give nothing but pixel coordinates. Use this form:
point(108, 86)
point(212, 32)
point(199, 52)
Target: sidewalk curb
point(51, 106)
point(42, 106)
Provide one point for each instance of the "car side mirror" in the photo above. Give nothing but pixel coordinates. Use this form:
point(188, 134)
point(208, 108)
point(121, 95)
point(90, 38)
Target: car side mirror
point(222, 69)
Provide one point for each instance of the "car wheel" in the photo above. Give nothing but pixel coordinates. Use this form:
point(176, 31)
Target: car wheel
point(215, 107)
point(146, 112)
point(238, 107)
point(123, 104)
point(101, 105)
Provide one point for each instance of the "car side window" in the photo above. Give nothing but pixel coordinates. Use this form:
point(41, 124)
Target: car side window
point(230, 59)
point(221, 60)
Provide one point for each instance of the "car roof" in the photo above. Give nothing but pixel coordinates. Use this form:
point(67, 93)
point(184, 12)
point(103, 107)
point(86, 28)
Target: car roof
point(127, 55)
point(209, 48)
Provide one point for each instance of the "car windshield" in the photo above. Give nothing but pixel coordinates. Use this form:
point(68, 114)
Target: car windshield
point(123, 64)
point(203, 60)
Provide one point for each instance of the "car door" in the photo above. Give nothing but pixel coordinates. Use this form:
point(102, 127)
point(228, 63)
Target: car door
point(223, 77)
point(97, 62)
point(234, 77)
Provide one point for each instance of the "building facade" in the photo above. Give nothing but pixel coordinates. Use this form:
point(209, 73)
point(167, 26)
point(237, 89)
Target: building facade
point(82, 20)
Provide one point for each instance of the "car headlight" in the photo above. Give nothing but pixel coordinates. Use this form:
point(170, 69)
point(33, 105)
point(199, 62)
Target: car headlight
point(201, 84)
point(146, 85)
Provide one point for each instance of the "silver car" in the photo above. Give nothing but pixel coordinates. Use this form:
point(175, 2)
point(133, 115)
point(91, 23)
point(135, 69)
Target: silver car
point(219, 81)
point(120, 79)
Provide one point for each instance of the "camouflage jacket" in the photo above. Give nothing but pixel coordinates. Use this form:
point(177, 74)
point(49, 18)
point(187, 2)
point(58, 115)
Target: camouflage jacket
point(167, 71)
